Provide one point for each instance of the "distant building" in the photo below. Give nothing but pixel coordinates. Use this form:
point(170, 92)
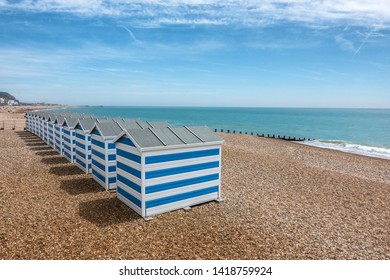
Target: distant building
point(2, 101)
point(13, 102)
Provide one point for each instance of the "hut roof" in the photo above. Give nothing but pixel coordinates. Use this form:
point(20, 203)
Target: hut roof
point(71, 122)
point(86, 124)
point(108, 129)
point(158, 138)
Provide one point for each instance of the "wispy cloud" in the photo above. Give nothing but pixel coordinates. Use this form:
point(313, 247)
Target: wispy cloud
point(154, 13)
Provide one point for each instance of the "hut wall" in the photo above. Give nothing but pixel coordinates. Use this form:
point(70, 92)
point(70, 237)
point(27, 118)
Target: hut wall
point(103, 161)
point(83, 150)
point(50, 134)
point(155, 182)
point(58, 144)
point(69, 144)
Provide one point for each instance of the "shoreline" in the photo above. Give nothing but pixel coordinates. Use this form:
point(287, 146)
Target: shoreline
point(282, 200)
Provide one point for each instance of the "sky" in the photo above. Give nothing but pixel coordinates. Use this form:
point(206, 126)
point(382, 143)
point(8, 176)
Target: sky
point(271, 53)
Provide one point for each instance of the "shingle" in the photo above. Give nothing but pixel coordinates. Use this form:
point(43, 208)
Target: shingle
point(144, 138)
point(204, 133)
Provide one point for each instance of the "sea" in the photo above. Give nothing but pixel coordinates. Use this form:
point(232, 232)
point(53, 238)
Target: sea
point(361, 131)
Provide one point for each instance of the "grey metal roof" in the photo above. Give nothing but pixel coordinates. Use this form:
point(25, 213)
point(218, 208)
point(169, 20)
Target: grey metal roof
point(109, 129)
point(204, 133)
point(185, 135)
point(87, 124)
point(172, 136)
point(60, 119)
point(71, 122)
point(145, 137)
point(129, 124)
point(158, 124)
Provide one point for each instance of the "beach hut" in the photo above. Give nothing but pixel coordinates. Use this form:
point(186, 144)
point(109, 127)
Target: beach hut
point(58, 132)
point(45, 123)
point(69, 135)
point(83, 144)
point(28, 121)
point(50, 130)
point(104, 153)
point(168, 168)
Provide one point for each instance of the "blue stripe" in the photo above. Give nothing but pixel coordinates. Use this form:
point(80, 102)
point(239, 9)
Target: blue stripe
point(67, 132)
point(181, 156)
point(89, 166)
point(95, 132)
point(112, 180)
point(126, 141)
point(67, 139)
point(181, 183)
point(129, 169)
point(99, 165)
point(111, 146)
point(112, 168)
point(81, 162)
point(79, 153)
point(100, 176)
point(78, 144)
point(129, 183)
point(128, 155)
point(66, 147)
point(181, 169)
point(67, 155)
point(98, 143)
point(112, 157)
point(80, 136)
point(98, 154)
point(178, 197)
point(128, 196)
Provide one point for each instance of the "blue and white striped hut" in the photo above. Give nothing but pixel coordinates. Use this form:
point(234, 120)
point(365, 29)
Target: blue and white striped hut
point(69, 133)
point(50, 130)
point(45, 118)
point(58, 132)
point(168, 168)
point(28, 121)
point(41, 125)
point(104, 153)
point(83, 144)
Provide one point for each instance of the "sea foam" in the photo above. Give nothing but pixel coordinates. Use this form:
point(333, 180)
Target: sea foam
point(379, 152)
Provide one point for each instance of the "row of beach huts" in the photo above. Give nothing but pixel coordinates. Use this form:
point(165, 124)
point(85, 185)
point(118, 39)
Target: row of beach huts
point(153, 166)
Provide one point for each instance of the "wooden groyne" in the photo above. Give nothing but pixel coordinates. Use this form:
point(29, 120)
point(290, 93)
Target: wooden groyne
point(287, 138)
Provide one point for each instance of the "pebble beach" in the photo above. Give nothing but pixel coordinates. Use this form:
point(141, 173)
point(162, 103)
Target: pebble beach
point(282, 200)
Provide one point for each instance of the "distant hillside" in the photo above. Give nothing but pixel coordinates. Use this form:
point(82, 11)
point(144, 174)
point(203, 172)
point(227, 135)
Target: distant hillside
point(6, 96)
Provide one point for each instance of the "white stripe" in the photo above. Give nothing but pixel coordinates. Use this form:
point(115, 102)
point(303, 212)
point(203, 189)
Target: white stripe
point(128, 162)
point(182, 176)
point(127, 148)
point(182, 190)
point(129, 203)
point(181, 150)
point(180, 204)
point(129, 190)
point(97, 148)
point(129, 177)
point(179, 163)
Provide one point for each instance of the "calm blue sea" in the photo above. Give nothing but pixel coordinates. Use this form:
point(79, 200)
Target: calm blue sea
point(364, 131)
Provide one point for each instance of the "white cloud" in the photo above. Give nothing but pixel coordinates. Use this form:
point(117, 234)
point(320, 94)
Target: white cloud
point(215, 12)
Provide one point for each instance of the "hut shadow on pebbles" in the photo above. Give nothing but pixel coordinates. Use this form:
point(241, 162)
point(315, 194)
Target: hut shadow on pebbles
point(106, 212)
point(42, 148)
point(80, 186)
point(66, 170)
point(47, 153)
point(37, 144)
point(54, 160)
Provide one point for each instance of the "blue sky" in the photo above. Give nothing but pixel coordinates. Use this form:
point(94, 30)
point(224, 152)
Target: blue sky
point(270, 53)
